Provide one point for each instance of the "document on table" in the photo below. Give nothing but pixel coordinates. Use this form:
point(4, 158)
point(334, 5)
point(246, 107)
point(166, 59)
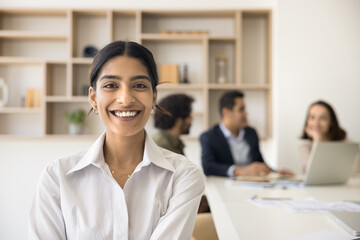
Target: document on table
point(321, 235)
point(305, 205)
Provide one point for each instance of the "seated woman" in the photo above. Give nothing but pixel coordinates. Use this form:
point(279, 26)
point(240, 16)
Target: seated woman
point(321, 125)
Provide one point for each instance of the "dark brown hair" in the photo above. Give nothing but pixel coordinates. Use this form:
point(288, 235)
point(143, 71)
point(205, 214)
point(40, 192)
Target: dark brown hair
point(227, 100)
point(129, 49)
point(336, 133)
point(178, 105)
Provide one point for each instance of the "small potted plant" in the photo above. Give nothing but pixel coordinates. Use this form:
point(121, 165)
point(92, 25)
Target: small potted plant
point(76, 121)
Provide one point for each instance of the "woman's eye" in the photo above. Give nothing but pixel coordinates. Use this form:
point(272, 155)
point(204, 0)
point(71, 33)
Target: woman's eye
point(140, 85)
point(110, 85)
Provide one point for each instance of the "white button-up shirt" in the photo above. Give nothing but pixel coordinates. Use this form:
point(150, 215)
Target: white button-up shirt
point(77, 198)
point(240, 149)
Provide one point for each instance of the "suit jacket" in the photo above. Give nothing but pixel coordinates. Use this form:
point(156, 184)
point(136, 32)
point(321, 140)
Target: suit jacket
point(216, 155)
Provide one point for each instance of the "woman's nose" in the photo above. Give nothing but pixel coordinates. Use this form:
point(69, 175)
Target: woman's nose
point(125, 97)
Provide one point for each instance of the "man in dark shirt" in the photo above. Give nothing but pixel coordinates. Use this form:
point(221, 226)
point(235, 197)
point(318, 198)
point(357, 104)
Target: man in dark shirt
point(231, 148)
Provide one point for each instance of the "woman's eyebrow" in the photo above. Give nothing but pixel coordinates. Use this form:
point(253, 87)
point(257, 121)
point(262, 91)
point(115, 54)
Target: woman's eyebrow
point(140, 77)
point(110, 77)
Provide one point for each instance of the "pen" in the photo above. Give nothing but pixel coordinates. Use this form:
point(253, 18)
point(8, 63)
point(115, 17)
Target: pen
point(276, 198)
point(270, 198)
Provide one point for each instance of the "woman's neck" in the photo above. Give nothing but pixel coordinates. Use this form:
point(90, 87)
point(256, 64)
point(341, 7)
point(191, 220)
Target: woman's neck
point(124, 152)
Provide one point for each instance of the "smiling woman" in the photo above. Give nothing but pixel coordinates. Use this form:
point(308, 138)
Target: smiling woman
point(124, 186)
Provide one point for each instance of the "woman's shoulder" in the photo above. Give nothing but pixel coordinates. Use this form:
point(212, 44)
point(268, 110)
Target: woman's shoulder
point(180, 163)
point(65, 163)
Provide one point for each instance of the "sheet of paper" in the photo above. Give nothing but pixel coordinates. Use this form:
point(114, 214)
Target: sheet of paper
point(321, 235)
point(306, 205)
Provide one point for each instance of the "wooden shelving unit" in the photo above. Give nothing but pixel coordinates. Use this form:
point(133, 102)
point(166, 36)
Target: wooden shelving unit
point(44, 49)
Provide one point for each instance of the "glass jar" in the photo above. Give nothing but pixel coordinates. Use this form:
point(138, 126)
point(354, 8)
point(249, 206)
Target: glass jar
point(221, 69)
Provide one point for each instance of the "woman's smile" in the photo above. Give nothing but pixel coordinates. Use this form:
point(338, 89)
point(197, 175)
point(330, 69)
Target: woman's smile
point(126, 114)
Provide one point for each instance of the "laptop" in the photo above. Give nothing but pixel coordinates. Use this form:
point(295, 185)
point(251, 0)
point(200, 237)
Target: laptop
point(350, 221)
point(330, 163)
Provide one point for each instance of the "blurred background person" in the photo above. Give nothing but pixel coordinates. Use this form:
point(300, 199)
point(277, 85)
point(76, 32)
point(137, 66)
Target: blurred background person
point(321, 124)
point(171, 126)
point(231, 148)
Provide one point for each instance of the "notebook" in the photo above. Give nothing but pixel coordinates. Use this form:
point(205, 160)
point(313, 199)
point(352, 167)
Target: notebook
point(350, 221)
point(330, 163)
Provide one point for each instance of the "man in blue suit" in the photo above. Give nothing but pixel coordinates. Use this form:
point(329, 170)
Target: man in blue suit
point(231, 148)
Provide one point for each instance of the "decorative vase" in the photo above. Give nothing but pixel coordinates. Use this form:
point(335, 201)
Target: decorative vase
point(75, 129)
point(4, 93)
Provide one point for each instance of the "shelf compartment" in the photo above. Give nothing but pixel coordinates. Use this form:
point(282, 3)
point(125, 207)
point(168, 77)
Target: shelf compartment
point(56, 122)
point(19, 78)
point(189, 21)
point(80, 77)
point(90, 28)
point(222, 48)
point(180, 53)
point(34, 48)
point(56, 79)
point(255, 47)
point(40, 21)
point(124, 25)
point(26, 123)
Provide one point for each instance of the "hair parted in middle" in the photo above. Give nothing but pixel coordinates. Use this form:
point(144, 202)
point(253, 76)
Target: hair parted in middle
point(127, 49)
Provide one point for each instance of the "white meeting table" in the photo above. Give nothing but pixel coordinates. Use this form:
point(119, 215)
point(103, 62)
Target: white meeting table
point(237, 218)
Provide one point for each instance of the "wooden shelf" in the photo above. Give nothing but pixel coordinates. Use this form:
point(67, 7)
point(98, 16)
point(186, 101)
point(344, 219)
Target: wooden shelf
point(172, 37)
point(20, 110)
point(20, 60)
point(83, 61)
point(31, 35)
point(180, 86)
point(64, 99)
point(215, 86)
point(43, 48)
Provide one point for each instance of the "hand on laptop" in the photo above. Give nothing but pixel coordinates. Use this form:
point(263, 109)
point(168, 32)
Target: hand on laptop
point(254, 169)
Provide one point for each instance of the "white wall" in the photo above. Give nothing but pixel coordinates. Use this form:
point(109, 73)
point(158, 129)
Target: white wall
point(316, 55)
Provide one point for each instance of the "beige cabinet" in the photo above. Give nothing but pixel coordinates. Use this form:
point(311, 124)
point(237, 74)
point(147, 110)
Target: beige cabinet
point(44, 49)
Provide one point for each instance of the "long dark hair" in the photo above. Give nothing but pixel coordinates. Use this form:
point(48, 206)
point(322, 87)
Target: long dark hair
point(129, 49)
point(336, 133)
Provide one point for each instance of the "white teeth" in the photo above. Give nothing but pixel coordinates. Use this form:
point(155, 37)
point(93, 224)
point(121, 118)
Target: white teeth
point(125, 114)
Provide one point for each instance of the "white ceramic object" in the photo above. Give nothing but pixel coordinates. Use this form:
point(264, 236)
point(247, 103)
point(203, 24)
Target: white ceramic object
point(5, 93)
point(75, 129)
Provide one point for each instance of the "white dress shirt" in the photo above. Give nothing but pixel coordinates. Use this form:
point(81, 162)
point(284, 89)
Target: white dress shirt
point(77, 198)
point(240, 149)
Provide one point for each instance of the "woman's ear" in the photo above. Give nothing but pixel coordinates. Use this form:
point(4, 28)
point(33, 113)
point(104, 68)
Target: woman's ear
point(92, 98)
point(155, 98)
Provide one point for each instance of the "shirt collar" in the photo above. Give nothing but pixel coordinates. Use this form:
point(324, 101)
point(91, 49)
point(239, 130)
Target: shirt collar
point(153, 154)
point(95, 155)
point(228, 134)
